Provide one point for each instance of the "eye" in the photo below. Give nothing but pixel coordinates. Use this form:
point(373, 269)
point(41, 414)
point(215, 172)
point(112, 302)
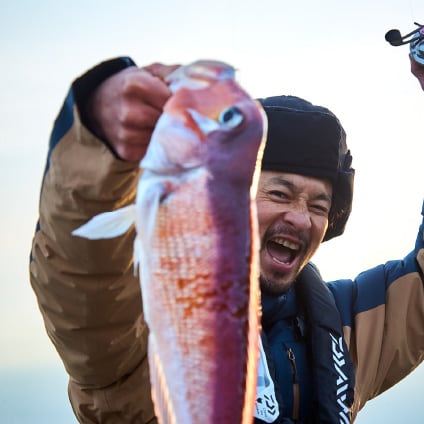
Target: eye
point(277, 195)
point(320, 209)
point(231, 117)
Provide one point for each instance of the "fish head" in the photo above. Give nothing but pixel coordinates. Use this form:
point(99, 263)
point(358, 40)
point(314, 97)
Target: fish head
point(235, 148)
point(209, 121)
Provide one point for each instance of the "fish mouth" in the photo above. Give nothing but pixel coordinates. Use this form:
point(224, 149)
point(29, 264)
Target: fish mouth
point(199, 74)
point(283, 251)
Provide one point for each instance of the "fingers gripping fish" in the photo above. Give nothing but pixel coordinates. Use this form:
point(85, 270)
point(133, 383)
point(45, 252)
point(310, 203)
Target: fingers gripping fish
point(197, 247)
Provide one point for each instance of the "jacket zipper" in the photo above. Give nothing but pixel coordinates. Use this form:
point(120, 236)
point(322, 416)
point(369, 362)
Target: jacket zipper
point(296, 393)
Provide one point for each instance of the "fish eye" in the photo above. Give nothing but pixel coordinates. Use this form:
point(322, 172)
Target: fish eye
point(231, 117)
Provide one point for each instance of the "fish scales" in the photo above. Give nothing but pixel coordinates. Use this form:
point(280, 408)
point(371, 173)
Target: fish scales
point(188, 246)
point(204, 287)
point(197, 245)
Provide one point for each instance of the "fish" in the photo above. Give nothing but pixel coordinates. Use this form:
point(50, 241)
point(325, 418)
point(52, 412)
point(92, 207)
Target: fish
point(196, 247)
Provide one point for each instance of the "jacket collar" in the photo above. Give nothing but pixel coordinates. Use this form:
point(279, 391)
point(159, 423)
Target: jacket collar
point(275, 308)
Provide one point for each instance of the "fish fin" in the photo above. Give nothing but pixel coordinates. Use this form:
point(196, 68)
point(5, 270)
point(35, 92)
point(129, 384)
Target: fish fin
point(160, 393)
point(150, 196)
point(107, 224)
point(152, 192)
point(157, 157)
point(137, 255)
point(148, 200)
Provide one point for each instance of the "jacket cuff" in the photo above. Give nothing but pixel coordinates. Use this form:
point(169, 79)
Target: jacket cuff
point(88, 82)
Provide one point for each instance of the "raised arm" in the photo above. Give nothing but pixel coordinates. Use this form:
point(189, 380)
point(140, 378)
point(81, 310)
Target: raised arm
point(418, 71)
point(86, 291)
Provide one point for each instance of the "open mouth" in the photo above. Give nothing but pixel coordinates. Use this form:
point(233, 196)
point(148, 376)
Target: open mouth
point(282, 250)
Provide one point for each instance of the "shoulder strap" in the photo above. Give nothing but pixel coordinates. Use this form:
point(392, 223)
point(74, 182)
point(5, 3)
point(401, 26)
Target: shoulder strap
point(332, 369)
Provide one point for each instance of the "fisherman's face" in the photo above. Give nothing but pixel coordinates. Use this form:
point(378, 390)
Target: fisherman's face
point(293, 218)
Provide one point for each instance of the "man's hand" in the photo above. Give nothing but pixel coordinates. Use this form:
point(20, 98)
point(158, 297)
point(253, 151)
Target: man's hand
point(418, 71)
point(124, 109)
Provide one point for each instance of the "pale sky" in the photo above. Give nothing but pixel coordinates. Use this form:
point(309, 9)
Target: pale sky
point(330, 52)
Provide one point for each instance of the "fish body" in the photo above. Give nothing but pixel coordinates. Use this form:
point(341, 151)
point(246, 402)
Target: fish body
point(197, 247)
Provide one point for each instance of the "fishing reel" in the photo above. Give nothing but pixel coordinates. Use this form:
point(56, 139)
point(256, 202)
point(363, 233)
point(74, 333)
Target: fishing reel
point(415, 39)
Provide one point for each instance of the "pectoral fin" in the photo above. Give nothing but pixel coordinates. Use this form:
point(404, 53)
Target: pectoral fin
point(150, 194)
point(108, 224)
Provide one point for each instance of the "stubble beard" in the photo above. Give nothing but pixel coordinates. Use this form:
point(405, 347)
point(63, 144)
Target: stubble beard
point(276, 284)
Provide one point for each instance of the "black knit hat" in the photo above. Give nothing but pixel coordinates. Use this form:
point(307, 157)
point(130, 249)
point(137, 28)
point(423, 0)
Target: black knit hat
point(309, 140)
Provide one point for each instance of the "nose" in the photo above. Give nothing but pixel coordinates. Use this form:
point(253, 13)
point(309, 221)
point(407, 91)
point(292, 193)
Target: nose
point(299, 218)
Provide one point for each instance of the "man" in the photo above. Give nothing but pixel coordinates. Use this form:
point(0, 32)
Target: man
point(326, 348)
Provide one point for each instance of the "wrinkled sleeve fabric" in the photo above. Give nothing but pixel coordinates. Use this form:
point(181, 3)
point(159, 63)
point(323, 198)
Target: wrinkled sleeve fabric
point(383, 317)
point(86, 290)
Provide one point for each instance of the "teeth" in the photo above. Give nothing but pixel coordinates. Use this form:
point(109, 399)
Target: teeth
point(286, 243)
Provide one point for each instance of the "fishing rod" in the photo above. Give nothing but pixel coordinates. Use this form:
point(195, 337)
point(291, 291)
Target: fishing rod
point(415, 39)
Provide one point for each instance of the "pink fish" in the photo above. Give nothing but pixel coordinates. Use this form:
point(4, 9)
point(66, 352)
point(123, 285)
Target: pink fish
point(197, 247)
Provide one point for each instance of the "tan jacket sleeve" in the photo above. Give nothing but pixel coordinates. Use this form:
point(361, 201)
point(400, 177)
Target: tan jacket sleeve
point(87, 292)
point(382, 311)
point(387, 341)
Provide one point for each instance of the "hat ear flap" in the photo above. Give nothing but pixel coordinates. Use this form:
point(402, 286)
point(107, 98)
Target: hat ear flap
point(341, 204)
